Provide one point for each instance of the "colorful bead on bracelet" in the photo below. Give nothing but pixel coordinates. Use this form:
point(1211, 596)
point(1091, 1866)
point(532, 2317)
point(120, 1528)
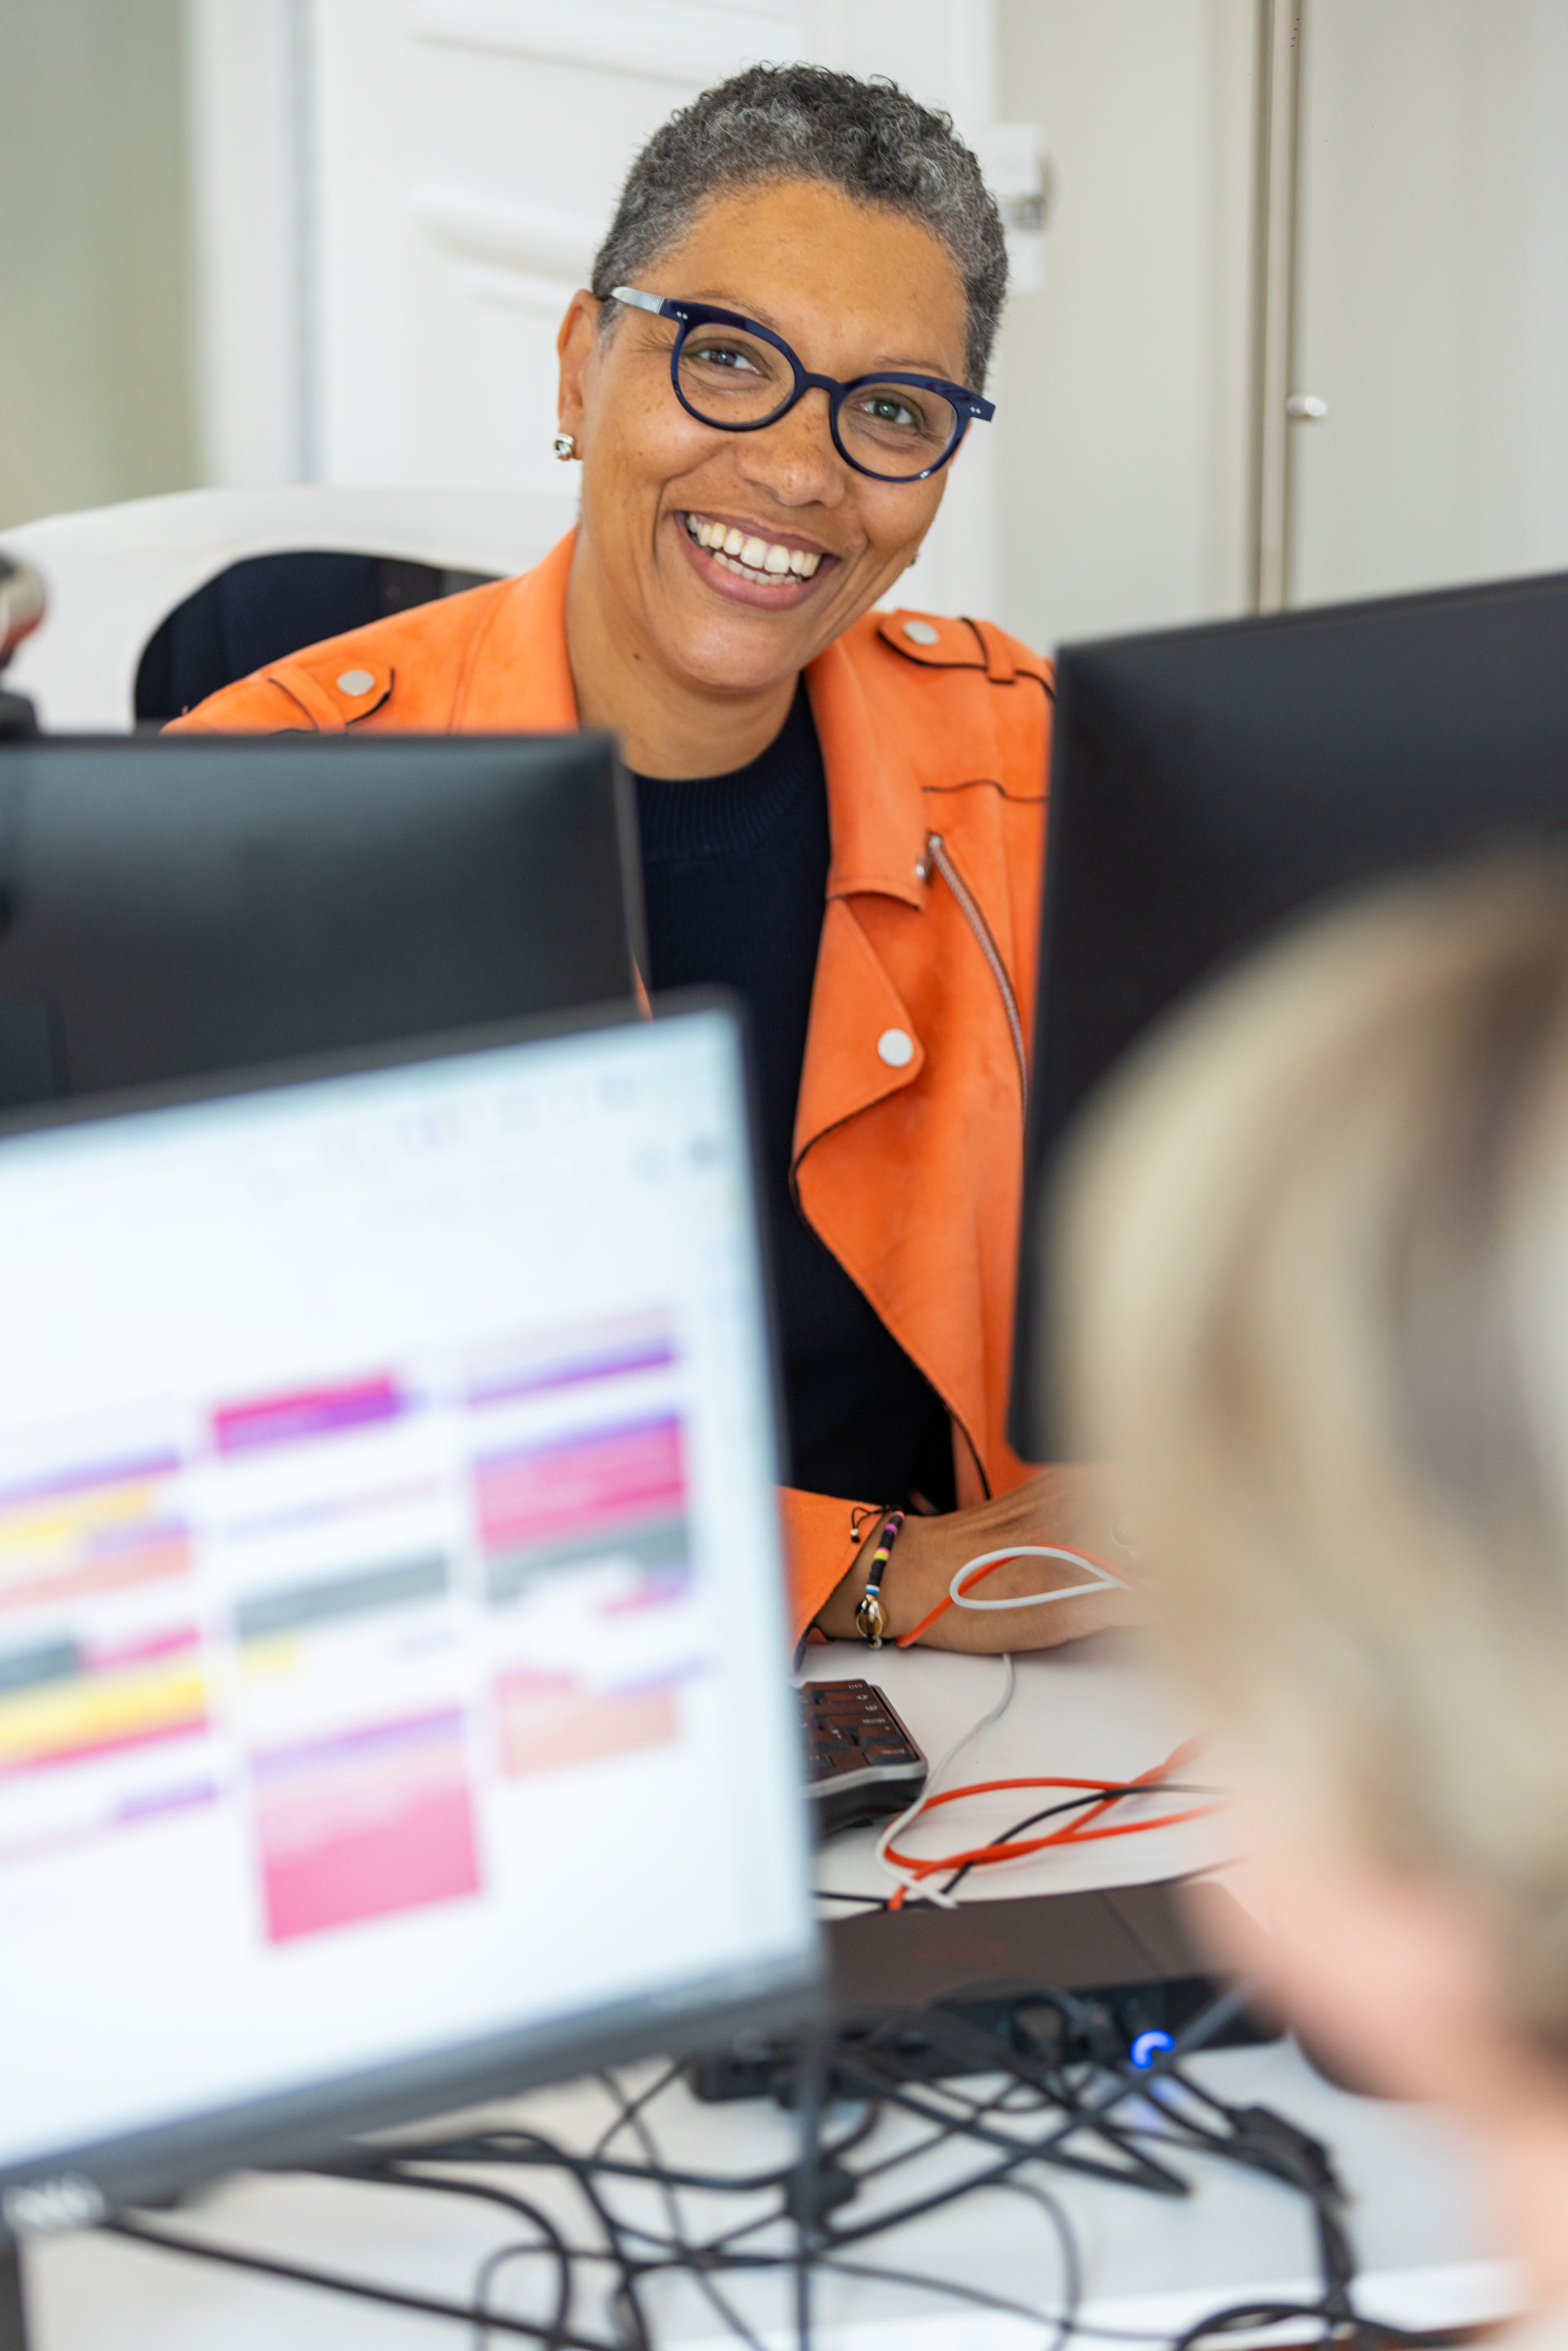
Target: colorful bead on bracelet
point(871, 1618)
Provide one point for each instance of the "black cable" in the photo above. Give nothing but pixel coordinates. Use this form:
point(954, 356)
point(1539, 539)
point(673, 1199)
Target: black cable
point(1051, 1811)
point(359, 2289)
point(485, 2278)
point(955, 2127)
point(632, 2117)
point(1081, 1803)
point(805, 2191)
point(1248, 2315)
point(722, 2253)
point(581, 2170)
point(524, 2147)
point(376, 2171)
point(1263, 2140)
point(628, 2109)
point(1063, 2321)
point(1041, 2106)
point(1052, 2148)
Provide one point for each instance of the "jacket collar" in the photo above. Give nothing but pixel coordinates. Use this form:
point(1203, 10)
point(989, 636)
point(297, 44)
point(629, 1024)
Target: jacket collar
point(518, 678)
point(875, 808)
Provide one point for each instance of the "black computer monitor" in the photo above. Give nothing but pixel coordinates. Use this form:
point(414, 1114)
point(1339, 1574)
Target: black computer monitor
point(170, 907)
point(1208, 784)
point(393, 1694)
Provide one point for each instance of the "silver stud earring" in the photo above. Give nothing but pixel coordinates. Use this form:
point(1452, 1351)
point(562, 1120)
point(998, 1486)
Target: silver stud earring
point(565, 446)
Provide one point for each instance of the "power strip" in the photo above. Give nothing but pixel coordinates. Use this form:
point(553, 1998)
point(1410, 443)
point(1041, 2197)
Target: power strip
point(1057, 1979)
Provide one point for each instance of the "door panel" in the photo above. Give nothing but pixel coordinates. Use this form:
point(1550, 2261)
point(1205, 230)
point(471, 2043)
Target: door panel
point(1432, 293)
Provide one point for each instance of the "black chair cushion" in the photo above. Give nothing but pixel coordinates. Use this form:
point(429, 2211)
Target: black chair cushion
point(268, 606)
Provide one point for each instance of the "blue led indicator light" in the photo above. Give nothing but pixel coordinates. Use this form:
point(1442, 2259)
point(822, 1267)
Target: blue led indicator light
point(1147, 2047)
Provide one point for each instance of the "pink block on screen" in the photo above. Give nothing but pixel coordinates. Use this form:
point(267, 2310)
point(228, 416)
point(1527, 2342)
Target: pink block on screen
point(547, 1731)
point(577, 1483)
point(423, 1852)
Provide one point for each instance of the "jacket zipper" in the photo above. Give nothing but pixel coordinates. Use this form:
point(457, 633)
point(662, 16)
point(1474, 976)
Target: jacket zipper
point(937, 850)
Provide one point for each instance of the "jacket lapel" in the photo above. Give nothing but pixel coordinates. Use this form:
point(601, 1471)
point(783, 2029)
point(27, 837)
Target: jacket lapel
point(877, 826)
point(518, 679)
point(874, 806)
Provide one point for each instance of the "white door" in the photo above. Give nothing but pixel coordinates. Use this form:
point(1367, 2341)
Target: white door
point(1432, 293)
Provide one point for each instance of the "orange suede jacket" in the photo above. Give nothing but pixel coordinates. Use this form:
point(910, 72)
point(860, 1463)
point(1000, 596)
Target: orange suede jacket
point(908, 1152)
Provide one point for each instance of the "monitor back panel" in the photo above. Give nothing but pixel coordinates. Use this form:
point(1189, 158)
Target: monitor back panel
point(1210, 784)
point(177, 907)
point(393, 1689)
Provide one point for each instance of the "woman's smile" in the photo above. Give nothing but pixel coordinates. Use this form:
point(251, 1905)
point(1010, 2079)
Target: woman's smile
point(749, 564)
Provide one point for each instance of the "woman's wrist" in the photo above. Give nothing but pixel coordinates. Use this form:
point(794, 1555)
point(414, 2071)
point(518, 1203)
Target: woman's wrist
point(836, 1617)
point(870, 1616)
point(1069, 1507)
point(841, 1616)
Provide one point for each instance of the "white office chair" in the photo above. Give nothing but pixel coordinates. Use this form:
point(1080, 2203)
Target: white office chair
point(114, 574)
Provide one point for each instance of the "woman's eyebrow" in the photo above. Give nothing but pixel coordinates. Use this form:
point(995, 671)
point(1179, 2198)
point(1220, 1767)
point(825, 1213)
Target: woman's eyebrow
point(722, 301)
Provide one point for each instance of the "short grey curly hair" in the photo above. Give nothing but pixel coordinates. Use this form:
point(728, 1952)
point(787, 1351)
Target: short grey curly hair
point(806, 122)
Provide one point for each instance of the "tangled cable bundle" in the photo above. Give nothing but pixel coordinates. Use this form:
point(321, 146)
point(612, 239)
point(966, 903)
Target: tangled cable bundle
point(812, 2218)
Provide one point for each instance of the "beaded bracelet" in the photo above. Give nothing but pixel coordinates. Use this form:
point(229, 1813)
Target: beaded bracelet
point(871, 1618)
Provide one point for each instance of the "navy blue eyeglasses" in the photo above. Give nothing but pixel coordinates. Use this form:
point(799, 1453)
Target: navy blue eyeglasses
point(739, 376)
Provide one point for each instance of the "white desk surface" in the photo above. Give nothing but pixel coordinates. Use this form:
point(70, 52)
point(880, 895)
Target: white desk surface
point(1152, 2264)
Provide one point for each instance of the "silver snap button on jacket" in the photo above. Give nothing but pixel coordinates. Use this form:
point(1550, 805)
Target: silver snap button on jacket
point(897, 1048)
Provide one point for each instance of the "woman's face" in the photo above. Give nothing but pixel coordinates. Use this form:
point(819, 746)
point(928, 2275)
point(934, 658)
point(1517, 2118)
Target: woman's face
point(851, 288)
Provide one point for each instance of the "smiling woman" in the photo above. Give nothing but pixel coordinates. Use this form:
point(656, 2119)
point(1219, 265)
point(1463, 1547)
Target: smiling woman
point(842, 810)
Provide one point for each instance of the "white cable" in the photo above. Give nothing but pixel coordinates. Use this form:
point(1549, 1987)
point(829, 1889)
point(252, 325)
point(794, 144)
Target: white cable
point(1104, 1581)
point(911, 1884)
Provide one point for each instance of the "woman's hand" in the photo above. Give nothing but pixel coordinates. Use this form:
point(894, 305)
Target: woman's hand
point(1067, 1506)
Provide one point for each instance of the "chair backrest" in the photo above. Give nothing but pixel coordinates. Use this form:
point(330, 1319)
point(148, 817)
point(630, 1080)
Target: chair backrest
point(114, 574)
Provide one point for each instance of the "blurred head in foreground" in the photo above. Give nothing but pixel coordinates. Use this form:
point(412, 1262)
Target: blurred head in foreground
point(1312, 1290)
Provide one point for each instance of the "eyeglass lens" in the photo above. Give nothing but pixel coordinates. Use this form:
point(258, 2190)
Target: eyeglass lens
point(897, 430)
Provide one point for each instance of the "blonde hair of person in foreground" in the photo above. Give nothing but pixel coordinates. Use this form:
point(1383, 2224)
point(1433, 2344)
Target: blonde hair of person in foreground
point(1311, 1291)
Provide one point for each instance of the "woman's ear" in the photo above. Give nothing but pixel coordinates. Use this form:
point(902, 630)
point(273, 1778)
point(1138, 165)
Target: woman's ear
point(575, 346)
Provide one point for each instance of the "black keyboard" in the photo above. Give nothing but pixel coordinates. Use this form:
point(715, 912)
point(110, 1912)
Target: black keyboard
point(861, 1765)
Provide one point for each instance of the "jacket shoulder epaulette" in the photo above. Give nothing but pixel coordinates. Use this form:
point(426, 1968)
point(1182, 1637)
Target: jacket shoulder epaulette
point(936, 642)
point(348, 678)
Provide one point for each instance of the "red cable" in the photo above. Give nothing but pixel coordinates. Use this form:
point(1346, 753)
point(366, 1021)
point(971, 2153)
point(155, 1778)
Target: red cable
point(1079, 1832)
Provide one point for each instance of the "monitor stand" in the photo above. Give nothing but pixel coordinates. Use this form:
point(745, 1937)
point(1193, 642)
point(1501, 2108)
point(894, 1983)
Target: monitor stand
point(18, 719)
point(12, 2319)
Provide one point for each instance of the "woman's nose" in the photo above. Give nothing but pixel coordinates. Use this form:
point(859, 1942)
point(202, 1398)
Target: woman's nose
point(795, 459)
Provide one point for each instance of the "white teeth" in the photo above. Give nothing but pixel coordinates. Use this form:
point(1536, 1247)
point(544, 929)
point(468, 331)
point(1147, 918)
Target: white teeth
point(752, 558)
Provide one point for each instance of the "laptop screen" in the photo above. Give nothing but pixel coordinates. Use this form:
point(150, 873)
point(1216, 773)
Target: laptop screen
point(392, 1651)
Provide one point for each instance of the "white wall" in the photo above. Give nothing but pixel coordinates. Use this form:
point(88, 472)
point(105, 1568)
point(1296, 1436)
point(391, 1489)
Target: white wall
point(1124, 379)
point(1433, 311)
point(250, 137)
point(95, 396)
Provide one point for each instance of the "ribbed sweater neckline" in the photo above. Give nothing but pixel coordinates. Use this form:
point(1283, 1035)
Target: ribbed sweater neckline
point(725, 816)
